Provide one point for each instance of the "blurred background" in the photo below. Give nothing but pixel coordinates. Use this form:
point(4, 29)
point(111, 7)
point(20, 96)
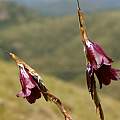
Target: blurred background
point(45, 33)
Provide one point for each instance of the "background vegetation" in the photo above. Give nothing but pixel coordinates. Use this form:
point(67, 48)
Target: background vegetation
point(52, 46)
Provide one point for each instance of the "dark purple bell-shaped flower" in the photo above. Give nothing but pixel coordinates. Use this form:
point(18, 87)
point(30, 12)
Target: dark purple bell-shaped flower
point(100, 63)
point(33, 87)
point(31, 83)
point(30, 89)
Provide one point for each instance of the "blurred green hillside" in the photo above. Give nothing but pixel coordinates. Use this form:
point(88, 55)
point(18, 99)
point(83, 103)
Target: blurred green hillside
point(76, 99)
point(53, 44)
point(13, 13)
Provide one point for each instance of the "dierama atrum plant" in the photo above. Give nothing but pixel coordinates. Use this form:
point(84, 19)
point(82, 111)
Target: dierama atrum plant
point(98, 63)
point(33, 87)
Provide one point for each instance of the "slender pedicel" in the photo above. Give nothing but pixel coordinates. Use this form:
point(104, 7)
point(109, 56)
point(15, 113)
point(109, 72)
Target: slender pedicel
point(82, 27)
point(91, 63)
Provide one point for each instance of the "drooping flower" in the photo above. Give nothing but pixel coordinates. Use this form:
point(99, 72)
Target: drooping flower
point(30, 89)
point(98, 63)
point(31, 82)
point(33, 87)
point(97, 58)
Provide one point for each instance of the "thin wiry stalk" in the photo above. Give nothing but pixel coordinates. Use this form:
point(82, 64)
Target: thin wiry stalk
point(96, 100)
point(93, 92)
point(59, 104)
point(83, 30)
point(90, 79)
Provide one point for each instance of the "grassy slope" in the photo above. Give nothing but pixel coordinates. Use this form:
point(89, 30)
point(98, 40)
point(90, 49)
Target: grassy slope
point(77, 99)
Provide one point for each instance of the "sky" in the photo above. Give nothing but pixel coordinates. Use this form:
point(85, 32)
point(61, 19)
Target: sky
point(63, 7)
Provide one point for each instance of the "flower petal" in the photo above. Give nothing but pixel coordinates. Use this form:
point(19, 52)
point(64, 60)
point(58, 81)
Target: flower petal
point(90, 54)
point(26, 79)
point(90, 78)
point(41, 86)
point(105, 74)
point(35, 94)
point(96, 55)
point(99, 50)
point(24, 93)
point(115, 74)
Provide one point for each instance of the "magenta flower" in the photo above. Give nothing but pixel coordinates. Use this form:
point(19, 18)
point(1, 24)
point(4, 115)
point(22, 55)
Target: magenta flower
point(100, 64)
point(33, 87)
point(31, 83)
point(30, 89)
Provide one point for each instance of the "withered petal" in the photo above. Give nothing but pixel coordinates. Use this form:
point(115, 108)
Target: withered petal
point(90, 77)
point(35, 94)
point(115, 74)
point(105, 74)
